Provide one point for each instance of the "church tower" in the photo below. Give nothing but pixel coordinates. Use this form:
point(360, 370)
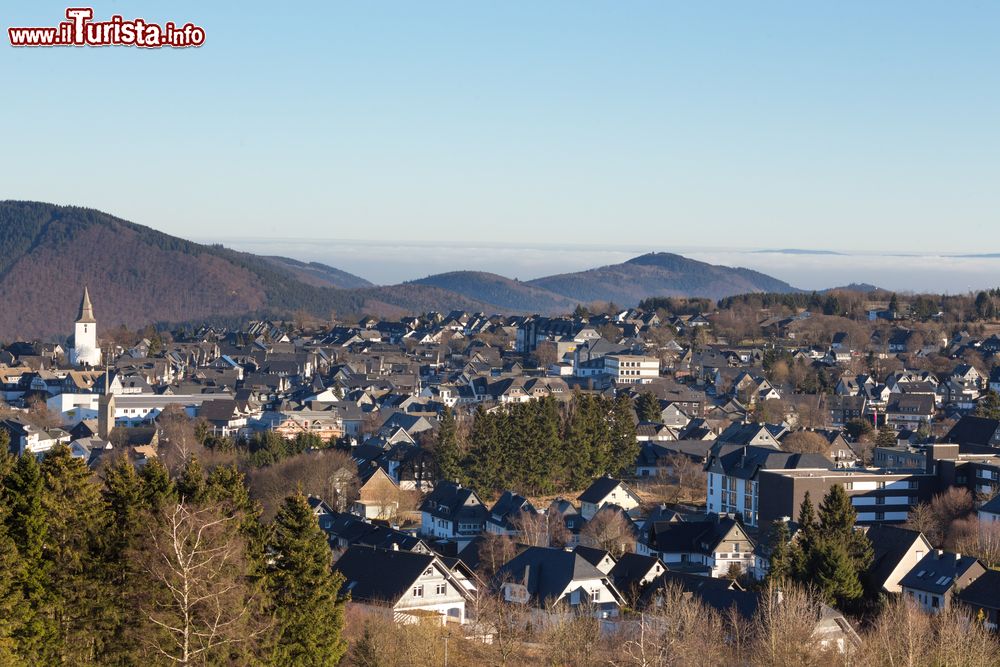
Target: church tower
point(85, 351)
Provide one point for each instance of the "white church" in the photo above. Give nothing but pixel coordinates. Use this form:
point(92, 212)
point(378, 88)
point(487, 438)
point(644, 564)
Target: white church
point(84, 350)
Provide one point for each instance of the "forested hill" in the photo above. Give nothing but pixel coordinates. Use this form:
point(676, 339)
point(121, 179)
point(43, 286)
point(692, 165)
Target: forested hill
point(139, 276)
point(659, 274)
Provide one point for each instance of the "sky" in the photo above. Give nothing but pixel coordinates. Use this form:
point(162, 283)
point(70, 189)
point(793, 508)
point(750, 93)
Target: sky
point(856, 126)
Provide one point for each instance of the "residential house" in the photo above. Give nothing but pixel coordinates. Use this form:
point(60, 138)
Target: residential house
point(546, 578)
point(982, 596)
point(607, 491)
point(933, 581)
point(713, 546)
point(452, 511)
point(896, 551)
point(412, 585)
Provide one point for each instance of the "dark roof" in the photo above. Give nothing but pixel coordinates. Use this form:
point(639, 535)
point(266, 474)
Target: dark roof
point(592, 555)
point(972, 430)
point(937, 571)
point(546, 572)
point(600, 489)
point(889, 544)
point(221, 410)
point(380, 575)
point(631, 568)
point(452, 501)
point(984, 591)
point(745, 461)
point(992, 506)
point(692, 536)
point(688, 582)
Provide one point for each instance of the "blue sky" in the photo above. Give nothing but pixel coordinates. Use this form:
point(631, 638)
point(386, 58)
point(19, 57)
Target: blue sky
point(845, 125)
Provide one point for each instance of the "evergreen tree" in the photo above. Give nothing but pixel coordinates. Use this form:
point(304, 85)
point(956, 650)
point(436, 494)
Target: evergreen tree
point(227, 486)
point(647, 406)
point(780, 569)
point(837, 517)
point(304, 591)
point(446, 451)
point(125, 517)
point(484, 459)
point(806, 538)
point(191, 482)
point(835, 575)
point(886, 437)
point(580, 445)
point(27, 527)
point(73, 511)
point(624, 447)
point(157, 487)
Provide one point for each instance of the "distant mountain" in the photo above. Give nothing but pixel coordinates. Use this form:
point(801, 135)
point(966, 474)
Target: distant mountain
point(865, 288)
point(319, 275)
point(139, 276)
point(659, 274)
point(504, 293)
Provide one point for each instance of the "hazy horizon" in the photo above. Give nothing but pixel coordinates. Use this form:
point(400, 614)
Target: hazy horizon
point(385, 262)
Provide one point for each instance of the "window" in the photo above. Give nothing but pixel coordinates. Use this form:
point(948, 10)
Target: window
point(440, 589)
point(595, 595)
point(418, 591)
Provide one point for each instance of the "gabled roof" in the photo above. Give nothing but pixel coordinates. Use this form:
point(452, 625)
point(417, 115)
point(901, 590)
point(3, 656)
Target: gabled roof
point(383, 575)
point(632, 568)
point(547, 572)
point(984, 592)
point(972, 430)
point(693, 536)
point(452, 501)
point(937, 571)
point(601, 488)
point(890, 545)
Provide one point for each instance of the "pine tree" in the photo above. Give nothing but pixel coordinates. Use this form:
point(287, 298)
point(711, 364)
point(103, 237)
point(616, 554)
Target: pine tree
point(304, 591)
point(73, 510)
point(27, 527)
point(446, 451)
point(886, 437)
point(125, 516)
point(835, 576)
point(806, 538)
point(191, 482)
point(780, 569)
point(157, 487)
point(624, 447)
point(988, 405)
point(485, 459)
point(837, 517)
point(647, 406)
point(226, 485)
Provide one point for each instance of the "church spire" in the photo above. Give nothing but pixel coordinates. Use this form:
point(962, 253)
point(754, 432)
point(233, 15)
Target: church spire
point(86, 309)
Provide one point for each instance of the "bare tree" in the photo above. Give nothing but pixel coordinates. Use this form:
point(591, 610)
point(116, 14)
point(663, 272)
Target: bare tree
point(541, 530)
point(805, 442)
point(200, 602)
point(785, 627)
point(609, 530)
point(977, 538)
point(494, 551)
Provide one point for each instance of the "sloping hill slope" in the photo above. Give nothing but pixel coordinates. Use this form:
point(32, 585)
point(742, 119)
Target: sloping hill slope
point(659, 274)
point(504, 293)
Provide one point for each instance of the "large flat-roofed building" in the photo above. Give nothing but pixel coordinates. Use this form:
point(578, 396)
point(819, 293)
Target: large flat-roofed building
point(631, 368)
point(877, 497)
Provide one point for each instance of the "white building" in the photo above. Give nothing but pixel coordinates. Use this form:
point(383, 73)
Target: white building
point(631, 368)
point(84, 350)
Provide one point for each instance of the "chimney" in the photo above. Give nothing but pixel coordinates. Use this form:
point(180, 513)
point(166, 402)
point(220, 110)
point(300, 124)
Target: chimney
point(395, 546)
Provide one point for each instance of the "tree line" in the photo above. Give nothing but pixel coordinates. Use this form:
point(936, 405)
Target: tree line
point(540, 446)
point(138, 566)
